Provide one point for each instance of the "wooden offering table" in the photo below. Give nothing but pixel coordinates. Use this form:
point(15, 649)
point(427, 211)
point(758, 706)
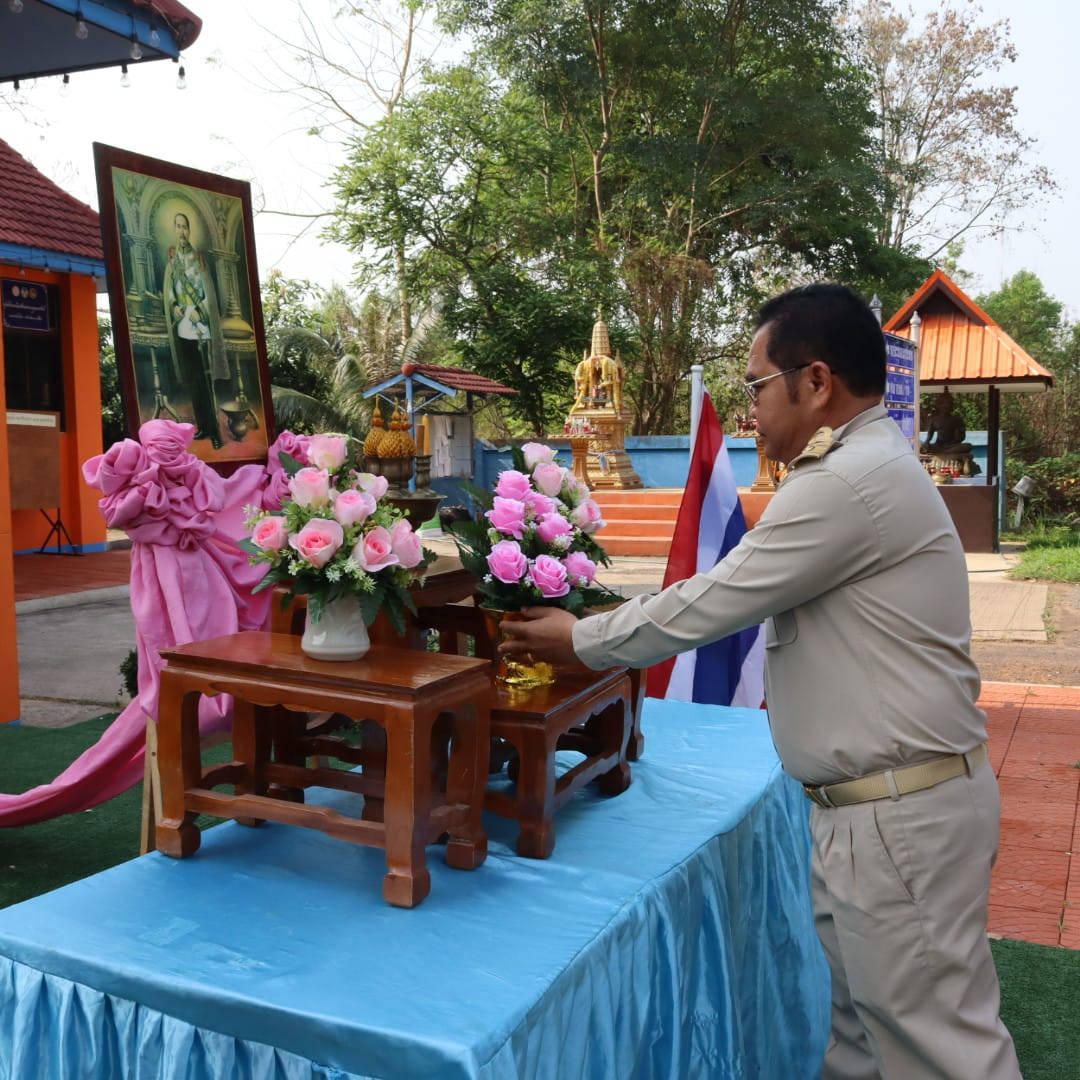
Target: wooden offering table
point(409, 693)
point(590, 712)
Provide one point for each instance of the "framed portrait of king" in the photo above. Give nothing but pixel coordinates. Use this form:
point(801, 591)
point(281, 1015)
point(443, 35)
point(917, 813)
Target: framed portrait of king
point(184, 293)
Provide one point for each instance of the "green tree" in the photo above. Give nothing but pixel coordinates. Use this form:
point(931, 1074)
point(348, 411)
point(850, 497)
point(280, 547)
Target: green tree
point(641, 159)
point(113, 421)
point(951, 156)
point(1039, 425)
point(316, 374)
point(1032, 318)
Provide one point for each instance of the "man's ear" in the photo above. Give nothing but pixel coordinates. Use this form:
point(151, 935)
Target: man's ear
point(821, 376)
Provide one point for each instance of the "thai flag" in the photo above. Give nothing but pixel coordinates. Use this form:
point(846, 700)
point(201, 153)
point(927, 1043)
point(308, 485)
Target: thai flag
point(710, 523)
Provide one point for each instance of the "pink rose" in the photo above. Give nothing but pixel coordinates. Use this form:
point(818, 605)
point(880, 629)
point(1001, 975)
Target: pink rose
point(507, 562)
point(406, 544)
point(508, 516)
point(580, 569)
point(327, 451)
point(318, 541)
point(549, 576)
point(548, 477)
point(353, 507)
point(374, 550)
point(374, 485)
point(513, 485)
point(576, 490)
point(553, 526)
point(538, 505)
point(535, 453)
point(270, 533)
point(587, 516)
point(310, 487)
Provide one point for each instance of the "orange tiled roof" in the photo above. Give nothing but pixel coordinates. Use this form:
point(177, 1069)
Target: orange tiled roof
point(959, 344)
point(35, 213)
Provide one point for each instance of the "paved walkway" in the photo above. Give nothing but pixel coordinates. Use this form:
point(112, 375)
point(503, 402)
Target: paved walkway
point(75, 628)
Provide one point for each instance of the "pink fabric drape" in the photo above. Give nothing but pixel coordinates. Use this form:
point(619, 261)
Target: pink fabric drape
point(189, 582)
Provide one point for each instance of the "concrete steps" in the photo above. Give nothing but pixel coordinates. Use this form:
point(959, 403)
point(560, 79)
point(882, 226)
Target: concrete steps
point(640, 521)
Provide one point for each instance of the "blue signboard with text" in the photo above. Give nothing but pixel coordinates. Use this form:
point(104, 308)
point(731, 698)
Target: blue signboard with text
point(902, 384)
point(25, 305)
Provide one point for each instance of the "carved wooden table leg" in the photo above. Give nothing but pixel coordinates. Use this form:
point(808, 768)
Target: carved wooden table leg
point(466, 848)
point(535, 793)
point(373, 741)
point(408, 800)
point(285, 731)
point(180, 765)
point(636, 747)
point(614, 727)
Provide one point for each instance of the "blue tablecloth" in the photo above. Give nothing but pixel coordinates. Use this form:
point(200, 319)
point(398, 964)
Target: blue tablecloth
point(669, 935)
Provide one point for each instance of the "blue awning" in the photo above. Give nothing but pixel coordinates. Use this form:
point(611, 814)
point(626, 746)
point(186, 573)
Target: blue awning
point(57, 37)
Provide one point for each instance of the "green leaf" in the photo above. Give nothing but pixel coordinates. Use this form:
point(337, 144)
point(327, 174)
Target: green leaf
point(371, 604)
point(289, 463)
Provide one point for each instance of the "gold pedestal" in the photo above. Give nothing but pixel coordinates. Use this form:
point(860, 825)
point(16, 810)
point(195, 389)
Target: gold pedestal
point(600, 450)
point(768, 471)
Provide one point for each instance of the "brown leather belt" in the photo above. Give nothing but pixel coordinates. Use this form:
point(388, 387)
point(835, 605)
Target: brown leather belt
point(893, 783)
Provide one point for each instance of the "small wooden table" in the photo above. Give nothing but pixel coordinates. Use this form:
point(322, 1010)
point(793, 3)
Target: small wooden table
point(586, 711)
point(405, 691)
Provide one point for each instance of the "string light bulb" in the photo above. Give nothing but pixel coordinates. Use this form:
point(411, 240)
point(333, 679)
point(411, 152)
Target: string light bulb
point(65, 86)
point(81, 29)
point(155, 37)
point(15, 6)
point(135, 52)
point(125, 78)
point(181, 79)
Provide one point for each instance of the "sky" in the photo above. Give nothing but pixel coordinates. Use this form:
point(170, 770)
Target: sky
point(235, 118)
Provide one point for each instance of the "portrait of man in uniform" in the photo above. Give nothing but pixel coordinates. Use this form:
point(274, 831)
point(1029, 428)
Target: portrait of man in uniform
point(184, 294)
point(191, 311)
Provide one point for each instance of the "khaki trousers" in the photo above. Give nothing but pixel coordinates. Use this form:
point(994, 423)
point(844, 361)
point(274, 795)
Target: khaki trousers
point(900, 895)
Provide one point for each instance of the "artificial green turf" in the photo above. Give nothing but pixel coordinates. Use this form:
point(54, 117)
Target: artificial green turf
point(39, 858)
point(1040, 1004)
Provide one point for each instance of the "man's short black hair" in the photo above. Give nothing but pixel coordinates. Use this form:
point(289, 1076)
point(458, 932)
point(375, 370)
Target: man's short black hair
point(181, 214)
point(829, 323)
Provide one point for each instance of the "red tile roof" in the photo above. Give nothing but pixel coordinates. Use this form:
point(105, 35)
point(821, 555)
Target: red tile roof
point(468, 382)
point(959, 344)
point(184, 24)
point(462, 379)
point(35, 213)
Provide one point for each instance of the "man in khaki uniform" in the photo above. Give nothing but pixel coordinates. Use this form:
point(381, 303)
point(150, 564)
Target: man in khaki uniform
point(857, 570)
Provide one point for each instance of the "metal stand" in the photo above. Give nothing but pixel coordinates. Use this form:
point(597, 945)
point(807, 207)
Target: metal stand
point(57, 527)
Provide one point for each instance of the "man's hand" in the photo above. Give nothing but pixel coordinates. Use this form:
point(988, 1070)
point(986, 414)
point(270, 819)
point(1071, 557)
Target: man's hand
point(543, 633)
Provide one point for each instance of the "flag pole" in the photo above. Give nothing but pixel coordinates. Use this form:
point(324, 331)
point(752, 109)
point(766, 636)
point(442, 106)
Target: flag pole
point(697, 386)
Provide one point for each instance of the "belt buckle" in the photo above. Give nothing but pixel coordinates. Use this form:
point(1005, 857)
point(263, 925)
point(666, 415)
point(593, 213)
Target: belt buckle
point(817, 795)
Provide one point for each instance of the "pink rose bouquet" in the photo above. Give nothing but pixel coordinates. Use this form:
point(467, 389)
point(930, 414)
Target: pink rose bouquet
point(335, 534)
point(533, 542)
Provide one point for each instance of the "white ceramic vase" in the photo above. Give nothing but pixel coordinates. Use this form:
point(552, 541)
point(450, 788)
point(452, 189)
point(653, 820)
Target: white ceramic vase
point(341, 633)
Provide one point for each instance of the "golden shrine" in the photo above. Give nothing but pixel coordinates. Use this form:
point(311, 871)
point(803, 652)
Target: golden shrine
point(597, 421)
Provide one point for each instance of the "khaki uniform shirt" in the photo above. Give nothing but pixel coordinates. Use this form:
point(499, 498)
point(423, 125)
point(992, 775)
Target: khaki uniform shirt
point(858, 573)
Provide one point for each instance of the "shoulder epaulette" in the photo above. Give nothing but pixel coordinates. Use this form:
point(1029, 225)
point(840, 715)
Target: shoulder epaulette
point(821, 442)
